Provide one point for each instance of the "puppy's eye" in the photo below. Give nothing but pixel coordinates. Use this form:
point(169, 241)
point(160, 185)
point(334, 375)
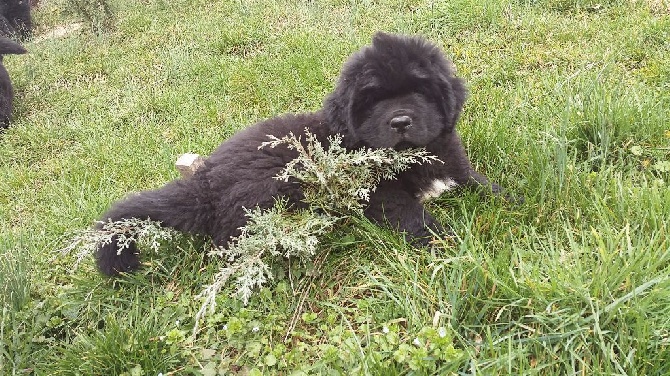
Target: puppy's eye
point(365, 103)
point(372, 96)
point(367, 99)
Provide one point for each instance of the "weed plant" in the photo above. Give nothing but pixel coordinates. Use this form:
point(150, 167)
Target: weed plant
point(97, 14)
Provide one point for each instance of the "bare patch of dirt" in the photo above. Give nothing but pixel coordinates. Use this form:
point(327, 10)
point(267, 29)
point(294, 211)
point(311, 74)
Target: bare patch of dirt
point(58, 32)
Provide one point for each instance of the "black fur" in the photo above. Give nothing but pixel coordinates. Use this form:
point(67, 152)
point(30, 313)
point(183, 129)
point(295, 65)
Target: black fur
point(15, 19)
point(398, 92)
point(7, 46)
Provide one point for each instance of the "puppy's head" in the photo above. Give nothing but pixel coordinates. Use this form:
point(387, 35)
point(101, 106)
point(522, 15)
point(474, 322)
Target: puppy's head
point(398, 92)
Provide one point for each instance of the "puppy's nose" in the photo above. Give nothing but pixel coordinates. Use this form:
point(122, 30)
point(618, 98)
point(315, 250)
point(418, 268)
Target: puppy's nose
point(401, 123)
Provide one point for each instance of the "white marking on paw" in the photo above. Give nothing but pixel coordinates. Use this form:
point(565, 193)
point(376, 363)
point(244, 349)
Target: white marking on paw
point(437, 187)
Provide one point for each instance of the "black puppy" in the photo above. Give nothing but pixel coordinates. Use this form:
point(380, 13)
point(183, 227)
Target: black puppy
point(15, 19)
point(7, 46)
point(398, 92)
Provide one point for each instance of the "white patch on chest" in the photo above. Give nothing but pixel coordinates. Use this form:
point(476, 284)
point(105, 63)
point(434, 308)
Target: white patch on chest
point(436, 188)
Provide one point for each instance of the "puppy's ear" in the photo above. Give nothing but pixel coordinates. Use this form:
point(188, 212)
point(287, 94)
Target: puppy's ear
point(453, 93)
point(381, 39)
point(335, 108)
point(338, 105)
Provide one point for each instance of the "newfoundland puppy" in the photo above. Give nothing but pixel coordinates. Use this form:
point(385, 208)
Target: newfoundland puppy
point(15, 19)
point(7, 46)
point(399, 92)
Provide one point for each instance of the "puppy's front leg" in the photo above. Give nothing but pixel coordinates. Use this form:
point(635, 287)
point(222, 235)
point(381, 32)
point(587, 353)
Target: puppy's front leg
point(394, 207)
point(479, 180)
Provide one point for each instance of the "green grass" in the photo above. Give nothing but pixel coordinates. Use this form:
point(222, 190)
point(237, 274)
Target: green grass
point(569, 106)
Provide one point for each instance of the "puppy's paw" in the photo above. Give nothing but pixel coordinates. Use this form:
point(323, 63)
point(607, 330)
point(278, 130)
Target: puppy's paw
point(514, 199)
point(499, 191)
point(430, 235)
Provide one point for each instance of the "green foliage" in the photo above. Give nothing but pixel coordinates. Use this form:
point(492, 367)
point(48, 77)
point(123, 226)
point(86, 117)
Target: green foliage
point(383, 347)
point(15, 286)
point(14, 278)
point(655, 159)
point(126, 343)
point(97, 14)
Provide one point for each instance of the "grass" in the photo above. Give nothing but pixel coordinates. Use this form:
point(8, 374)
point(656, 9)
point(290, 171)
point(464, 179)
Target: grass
point(568, 106)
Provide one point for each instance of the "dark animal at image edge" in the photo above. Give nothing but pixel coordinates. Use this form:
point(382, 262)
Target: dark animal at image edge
point(7, 46)
point(398, 92)
point(15, 19)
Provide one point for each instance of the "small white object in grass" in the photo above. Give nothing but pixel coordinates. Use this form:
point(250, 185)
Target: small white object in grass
point(437, 187)
point(188, 163)
point(416, 342)
point(436, 318)
point(385, 329)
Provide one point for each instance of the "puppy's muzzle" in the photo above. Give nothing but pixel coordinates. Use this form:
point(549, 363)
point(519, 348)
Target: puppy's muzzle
point(401, 123)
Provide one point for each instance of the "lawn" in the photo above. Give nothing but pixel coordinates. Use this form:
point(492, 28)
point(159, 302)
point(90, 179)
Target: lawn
point(569, 106)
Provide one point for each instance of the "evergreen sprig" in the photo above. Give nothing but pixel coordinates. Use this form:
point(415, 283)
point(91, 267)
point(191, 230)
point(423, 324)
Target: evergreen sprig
point(336, 183)
point(338, 180)
point(147, 232)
